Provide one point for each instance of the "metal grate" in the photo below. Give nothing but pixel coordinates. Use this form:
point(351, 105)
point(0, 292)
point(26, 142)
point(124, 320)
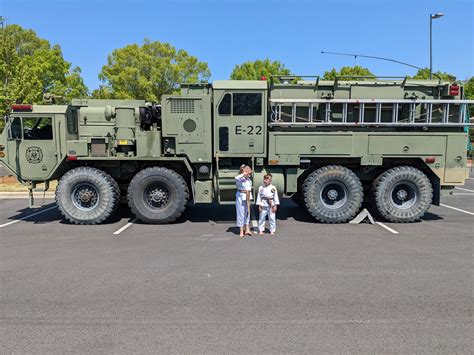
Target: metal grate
point(182, 106)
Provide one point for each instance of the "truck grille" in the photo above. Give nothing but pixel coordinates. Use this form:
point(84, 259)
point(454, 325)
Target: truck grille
point(182, 106)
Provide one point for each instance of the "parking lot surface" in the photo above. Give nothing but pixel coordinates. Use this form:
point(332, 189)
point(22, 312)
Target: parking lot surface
point(196, 287)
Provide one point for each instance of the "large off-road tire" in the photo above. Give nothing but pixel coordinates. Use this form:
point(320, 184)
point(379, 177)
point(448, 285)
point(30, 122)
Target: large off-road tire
point(157, 195)
point(87, 196)
point(402, 194)
point(333, 194)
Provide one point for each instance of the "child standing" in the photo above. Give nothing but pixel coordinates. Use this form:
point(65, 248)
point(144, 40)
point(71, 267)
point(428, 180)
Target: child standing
point(267, 201)
point(242, 199)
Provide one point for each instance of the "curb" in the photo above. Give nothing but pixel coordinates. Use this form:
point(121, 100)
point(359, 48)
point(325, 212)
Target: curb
point(7, 195)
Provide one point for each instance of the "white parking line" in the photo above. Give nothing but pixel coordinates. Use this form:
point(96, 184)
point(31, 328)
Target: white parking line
point(125, 226)
point(387, 227)
point(457, 209)
point(463, 189)
point(26, 217)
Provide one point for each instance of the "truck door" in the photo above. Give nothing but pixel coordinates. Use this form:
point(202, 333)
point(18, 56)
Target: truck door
point(31, 151)
point(240, 122)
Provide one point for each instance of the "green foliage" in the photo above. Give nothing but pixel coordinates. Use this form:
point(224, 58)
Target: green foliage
point(30, 67)
point(425, 74)
point(103, 92)
point(148, 71)
point(469, 88)
point(469, 93)
point(352, 73)
point(255, 70)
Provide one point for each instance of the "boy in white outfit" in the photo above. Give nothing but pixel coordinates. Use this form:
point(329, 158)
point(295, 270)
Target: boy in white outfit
point(267, 201)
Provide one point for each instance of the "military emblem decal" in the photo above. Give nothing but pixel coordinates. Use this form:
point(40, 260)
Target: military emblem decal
point(34, 155)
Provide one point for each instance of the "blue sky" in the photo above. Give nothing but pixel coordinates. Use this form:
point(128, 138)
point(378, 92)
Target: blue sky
point(225, 33)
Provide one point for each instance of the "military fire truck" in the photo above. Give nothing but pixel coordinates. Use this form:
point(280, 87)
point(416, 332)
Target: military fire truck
point(394, 144)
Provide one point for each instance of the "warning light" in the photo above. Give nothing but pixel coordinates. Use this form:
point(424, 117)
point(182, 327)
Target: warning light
point(454, 90)
point(430, 160)
point(22, 108)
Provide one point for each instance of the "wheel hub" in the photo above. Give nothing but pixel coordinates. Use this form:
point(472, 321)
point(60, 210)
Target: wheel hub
point(157, 196)
point(333, 194)
point(85, 197)
point(402, 195)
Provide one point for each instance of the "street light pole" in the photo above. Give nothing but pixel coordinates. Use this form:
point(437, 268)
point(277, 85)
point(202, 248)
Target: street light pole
point(432, 17)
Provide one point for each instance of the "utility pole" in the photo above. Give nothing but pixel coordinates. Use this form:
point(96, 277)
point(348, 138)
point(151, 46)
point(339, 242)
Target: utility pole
point(433, 17)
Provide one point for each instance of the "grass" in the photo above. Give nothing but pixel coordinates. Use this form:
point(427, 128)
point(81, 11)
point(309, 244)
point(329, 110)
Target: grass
point(17, 187)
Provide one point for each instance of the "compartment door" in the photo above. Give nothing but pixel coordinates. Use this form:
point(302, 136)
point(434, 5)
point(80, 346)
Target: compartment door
point(31, 147)
point(240, 123)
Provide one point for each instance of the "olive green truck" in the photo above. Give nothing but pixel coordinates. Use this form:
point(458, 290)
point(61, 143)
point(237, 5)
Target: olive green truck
point(393, 144)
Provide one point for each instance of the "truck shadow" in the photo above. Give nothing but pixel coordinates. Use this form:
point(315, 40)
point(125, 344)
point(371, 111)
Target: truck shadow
point(226, 213)
point(48, 213)
point(431, 217)
point(203, 213)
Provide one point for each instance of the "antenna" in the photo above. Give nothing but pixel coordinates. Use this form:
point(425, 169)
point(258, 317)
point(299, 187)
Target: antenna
point(379, 58)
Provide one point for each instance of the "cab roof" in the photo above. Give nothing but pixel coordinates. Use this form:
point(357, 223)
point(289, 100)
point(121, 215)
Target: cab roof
point(241, 84)
point(43, 109)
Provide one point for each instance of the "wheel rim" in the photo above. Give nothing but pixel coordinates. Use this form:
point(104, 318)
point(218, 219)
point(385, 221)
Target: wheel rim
point(85, 196)
point(333, 195)
point(404, 195)
point(157, 196)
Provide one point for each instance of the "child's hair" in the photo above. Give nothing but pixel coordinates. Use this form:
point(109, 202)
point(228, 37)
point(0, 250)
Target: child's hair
point(268, 175)
point(241, 169)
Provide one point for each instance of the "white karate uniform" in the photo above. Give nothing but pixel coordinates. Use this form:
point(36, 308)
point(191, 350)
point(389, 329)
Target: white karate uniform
point(267, 197)
point(243, 213)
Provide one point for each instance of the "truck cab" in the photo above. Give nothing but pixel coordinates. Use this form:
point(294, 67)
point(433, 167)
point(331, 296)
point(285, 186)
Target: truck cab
point(31, 141)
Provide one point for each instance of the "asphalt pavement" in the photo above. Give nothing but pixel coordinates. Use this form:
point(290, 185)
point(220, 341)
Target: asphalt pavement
point(196, 287)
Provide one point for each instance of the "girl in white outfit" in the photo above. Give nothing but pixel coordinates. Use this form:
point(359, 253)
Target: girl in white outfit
point(267, 201)
point(242, 199)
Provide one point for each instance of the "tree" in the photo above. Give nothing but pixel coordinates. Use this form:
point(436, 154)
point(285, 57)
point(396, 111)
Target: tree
point(103, 92)
point(352, 73)
point(469, 93)
point(469, 88)
point(256, 69)
point(148, 71)
point(31, 67)
point(425, 74)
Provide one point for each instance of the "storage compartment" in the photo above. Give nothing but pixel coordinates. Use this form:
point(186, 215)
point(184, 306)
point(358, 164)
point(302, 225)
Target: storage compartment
point(407, 145)
point(314, 144)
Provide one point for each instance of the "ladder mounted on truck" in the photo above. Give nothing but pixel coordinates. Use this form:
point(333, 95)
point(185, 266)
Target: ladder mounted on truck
point(369, 112)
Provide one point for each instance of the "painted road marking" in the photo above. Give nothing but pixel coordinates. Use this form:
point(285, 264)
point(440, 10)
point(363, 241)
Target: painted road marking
point(125, 226)
point(387, 227)
point(457, 209)
point(26, 217)
point(463, 189)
